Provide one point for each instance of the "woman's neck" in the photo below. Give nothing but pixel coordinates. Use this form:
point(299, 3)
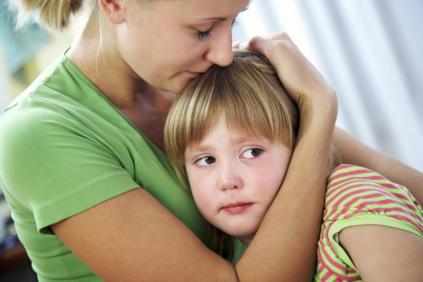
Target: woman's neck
point(99, 61)
point(107, 72)
point(95, 54)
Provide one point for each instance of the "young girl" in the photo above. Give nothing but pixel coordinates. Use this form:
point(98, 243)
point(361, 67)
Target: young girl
point(94, 197)
point(231, 135)
point(92, 194)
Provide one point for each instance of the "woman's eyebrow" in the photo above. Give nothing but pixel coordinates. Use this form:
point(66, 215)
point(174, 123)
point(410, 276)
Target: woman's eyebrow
point(215, 19)
point(224, 18)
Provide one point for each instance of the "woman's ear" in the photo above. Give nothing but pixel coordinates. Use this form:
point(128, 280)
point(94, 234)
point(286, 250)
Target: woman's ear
point(114, 10)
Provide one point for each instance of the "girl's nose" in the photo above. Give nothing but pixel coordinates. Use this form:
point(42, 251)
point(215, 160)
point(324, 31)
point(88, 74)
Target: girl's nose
point(230, 179)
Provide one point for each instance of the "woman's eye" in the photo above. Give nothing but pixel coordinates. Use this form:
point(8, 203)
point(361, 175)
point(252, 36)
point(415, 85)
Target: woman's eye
point(205, 161)
point(252, 153)
point(203, 35)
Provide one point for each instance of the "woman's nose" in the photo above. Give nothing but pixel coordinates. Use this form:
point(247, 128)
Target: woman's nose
point(220, 49)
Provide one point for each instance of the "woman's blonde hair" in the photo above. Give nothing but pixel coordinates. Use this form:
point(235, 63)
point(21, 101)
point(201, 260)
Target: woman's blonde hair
point(248, 93)
point(53, 14)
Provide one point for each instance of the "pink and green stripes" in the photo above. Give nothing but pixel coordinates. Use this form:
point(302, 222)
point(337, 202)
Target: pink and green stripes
point(359, 196)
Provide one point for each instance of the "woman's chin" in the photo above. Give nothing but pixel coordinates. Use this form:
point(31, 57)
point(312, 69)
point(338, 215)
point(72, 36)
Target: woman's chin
point(175, 85)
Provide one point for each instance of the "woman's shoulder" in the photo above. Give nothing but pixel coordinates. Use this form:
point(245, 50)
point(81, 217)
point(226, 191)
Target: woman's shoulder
point(61, 86)
point(61, 98)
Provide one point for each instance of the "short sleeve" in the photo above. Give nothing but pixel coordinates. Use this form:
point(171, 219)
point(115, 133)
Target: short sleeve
point(359, 196)
point(52, 166)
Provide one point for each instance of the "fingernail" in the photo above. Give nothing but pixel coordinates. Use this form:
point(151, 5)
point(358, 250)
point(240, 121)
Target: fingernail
point(243, 45)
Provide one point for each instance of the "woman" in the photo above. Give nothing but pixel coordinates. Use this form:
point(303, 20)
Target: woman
point(87, 134)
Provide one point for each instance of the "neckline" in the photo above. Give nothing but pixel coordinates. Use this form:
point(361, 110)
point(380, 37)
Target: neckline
point(76, 71)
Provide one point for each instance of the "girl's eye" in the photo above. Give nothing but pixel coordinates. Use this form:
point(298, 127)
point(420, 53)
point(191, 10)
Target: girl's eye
point(203, 35)
point(252, 153)
point(205, 161)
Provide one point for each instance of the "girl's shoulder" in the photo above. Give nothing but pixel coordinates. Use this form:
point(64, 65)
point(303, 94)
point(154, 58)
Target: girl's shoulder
point(354, 191)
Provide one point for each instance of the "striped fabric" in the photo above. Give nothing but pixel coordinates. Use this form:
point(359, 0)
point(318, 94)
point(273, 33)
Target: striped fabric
point(359, 196)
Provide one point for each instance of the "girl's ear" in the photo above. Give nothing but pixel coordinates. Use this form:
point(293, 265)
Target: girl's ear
point(114, 10)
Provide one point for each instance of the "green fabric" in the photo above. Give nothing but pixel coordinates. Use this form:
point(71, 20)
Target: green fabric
point(63, 149)
point(239, 249)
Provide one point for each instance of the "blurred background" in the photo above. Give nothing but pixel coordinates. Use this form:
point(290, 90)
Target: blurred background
point(371, 53)
point(369, 50)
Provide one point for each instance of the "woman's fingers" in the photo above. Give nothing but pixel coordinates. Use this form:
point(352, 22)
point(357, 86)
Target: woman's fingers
point(301, 79)
point(241, 44)
point(251, 43)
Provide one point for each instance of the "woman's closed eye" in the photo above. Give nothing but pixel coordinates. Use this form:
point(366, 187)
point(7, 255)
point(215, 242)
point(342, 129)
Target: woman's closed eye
point(204, 35)
point(205, 161)
point(251, 153)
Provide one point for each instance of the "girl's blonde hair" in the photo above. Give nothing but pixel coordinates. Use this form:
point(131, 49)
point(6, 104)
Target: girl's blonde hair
point(53, 14)
point(248, 93)
point(253, 100)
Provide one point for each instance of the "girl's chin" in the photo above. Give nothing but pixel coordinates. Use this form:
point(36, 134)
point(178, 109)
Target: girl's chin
point(244, 235)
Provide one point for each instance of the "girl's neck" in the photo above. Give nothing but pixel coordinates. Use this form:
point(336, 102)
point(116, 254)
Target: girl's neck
point(246, 239)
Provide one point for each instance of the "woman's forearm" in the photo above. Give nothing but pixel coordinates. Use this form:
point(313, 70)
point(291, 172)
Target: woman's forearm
point(287, 248)
point(284, 247)
point(353, 151)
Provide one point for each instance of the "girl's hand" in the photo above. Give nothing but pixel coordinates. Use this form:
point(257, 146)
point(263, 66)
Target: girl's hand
point(300, 78)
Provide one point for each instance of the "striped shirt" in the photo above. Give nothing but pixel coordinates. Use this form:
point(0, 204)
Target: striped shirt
point(359, 196)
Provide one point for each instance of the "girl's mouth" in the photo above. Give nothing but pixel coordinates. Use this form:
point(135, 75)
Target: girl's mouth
point(236, 208)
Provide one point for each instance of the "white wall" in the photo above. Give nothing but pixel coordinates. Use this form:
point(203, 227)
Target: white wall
point(371, 53)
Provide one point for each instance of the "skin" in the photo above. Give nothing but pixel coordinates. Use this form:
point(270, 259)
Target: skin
point(355, 152)
point(288, 251)
point(178, 26)
point(349, 148)
point(89, 233)
point(168, 61)
point(382, 253)
point(225, 171)
point(228, 167)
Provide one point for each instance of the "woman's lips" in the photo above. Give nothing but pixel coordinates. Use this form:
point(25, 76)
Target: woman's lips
point(236, 208)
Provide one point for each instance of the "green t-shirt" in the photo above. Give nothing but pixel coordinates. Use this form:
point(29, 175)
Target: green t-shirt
point(63, 149)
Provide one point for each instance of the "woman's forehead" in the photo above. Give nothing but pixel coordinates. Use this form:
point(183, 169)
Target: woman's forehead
point(205, 10)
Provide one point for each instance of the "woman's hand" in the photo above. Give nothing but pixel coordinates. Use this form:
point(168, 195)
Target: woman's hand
point(302, 191)
point(300, 78)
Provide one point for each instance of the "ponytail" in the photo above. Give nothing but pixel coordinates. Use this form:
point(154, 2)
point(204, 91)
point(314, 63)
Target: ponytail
point(53, 14)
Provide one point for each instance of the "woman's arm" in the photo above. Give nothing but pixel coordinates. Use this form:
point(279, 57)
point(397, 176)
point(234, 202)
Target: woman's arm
point(354, 152)
point(132, 237)
point(286, 251)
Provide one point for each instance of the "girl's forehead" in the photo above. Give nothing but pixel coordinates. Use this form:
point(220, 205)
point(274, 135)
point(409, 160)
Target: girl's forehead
point(234, 127)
